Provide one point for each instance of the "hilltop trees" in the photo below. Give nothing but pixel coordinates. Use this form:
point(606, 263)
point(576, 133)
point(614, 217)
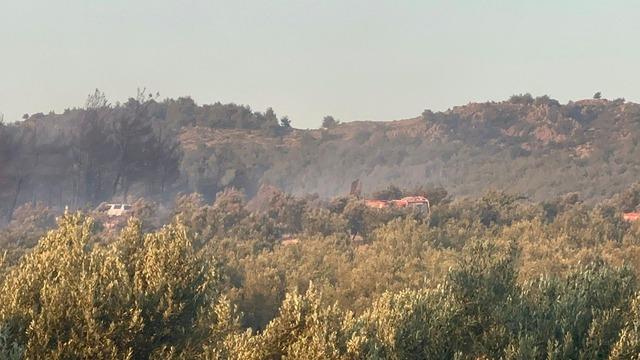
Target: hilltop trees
point(328, 122)
point(104, 151)
point(133, 139)
point(97, 100)
point(90, 150)
point(22, 152)
point(285, 122)
point(87, 156)
point(524, 99)
point(116, 148)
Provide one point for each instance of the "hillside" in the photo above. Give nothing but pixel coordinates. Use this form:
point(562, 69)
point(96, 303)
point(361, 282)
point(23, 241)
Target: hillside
point(534, 146)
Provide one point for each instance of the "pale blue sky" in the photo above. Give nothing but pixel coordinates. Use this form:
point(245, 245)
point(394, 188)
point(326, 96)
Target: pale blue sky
point(356, 60)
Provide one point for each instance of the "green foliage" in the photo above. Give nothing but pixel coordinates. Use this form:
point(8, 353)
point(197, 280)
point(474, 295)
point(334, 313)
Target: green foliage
point(9, 349)
point(408, 325)
point(496, 277)
point(521, 99)
point(285, 122)
point(628, 344)
point(70, 298)
point(328, 122)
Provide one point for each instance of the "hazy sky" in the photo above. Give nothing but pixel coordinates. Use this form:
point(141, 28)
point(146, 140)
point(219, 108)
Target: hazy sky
point(356, 60)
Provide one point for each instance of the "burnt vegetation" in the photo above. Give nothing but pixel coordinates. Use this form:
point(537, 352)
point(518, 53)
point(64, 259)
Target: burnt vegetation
point(86, 156)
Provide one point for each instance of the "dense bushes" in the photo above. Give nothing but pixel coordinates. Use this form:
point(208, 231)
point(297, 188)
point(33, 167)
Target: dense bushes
point(141, 296)
point(496, 277)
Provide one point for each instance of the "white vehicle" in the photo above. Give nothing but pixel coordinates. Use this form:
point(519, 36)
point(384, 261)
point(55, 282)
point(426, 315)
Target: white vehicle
point(118, 209)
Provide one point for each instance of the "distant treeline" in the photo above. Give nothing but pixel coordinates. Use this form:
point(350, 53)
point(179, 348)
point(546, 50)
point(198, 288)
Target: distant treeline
point(157, 149)
point(100, 152)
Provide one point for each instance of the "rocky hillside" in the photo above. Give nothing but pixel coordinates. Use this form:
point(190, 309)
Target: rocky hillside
point(534, 146)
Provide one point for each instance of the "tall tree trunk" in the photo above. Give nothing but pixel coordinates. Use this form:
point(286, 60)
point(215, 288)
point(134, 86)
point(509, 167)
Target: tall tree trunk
point(163, 180)
point(119, 172)
point(15, 198)
point(115, 183)
point(125, 187)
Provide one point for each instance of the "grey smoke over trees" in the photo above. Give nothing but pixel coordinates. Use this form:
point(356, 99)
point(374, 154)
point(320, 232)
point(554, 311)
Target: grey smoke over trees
point(105, 151)
point(146, 147)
